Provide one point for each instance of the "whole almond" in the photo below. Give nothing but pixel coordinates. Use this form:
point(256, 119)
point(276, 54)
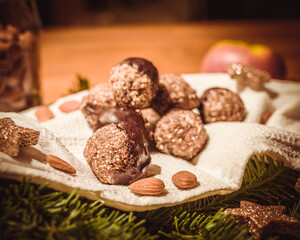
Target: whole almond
point(184, 179)
point(60, 164)
point(43, 113)
point(69, 106)
point(148, 186)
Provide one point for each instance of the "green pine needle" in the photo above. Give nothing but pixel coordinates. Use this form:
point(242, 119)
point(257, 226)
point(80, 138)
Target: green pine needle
point(29, 211)
point(81, 83)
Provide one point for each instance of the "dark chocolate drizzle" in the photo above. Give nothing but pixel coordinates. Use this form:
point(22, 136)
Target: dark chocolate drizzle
point(138, 151)
point(144, 66)
point(90, 108)
point(117, 114)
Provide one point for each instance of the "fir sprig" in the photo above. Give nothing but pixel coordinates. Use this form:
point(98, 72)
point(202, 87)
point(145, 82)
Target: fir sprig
point(29, 211)
point(206, 226)
point(39, 213)
point(265, 182)
point(81, 83)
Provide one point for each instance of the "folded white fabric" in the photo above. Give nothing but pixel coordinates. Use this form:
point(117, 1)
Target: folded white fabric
point(219, 167)
point(287, 117)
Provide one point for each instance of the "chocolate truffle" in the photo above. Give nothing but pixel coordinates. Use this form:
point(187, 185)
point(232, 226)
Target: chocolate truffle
point(98, 98)
point(151, 117)
point(174, 92)
point(180, 133)
point(220, 104)
point(134, 83)
point(117, 114)
point(117, 153)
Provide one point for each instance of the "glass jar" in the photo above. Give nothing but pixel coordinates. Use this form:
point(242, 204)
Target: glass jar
point(19, 55)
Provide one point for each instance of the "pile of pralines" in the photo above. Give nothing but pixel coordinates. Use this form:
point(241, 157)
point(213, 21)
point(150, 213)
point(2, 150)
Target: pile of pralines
point(139, 110)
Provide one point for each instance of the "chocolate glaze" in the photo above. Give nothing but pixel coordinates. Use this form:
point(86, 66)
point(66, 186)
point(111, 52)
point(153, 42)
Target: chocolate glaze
point(144, 66)
point(139, 152)
point(90, 108)
point(117, 114)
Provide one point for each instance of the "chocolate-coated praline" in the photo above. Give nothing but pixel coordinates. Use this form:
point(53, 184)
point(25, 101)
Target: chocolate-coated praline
point(117, 114)
point(143, 66)
point(117, 153)
point(180, 133)
point(134, 83)
point(221, 104)
point(174, 92)
point(97, 99)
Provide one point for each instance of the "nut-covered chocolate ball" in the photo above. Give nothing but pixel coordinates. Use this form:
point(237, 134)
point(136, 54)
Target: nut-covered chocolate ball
point(117, 114)
point(134, 83)
point(117, 153)
point(97, 99)
point(174, 92)
point(151, 117)
point(180, 133)
point(220, 104)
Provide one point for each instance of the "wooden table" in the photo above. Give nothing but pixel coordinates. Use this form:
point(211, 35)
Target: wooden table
point(92, 51)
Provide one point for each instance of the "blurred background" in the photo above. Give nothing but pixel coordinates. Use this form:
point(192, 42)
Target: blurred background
point(105, 12)
point(88, 37)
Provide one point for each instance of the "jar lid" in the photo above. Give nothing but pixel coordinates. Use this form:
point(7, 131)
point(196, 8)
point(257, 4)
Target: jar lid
point(22, 14)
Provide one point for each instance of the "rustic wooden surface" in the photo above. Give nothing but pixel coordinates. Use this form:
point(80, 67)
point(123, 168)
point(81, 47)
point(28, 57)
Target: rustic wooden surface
point(92, 51)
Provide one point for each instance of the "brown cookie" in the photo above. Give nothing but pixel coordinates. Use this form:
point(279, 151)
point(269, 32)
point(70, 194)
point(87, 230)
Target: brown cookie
point(9, 137)
point(12, 137)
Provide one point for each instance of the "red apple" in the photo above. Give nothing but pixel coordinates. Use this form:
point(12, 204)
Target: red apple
point(233, 51)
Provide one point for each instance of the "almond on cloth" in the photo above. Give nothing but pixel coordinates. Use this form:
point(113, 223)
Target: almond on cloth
point(147, 186)
point(69, 106)
point(43, 113)
point(184, 180)
point(60, 164)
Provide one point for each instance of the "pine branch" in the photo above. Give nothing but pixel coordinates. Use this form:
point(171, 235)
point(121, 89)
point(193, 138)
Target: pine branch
point(81, 83)
point(203, 226)
point(37, 212)
point(266, 181)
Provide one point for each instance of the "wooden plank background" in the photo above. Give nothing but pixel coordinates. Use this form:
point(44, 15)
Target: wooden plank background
point(92, 51)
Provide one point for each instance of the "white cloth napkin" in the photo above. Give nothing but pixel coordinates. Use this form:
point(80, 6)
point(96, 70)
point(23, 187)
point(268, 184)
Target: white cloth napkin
point(219, 167)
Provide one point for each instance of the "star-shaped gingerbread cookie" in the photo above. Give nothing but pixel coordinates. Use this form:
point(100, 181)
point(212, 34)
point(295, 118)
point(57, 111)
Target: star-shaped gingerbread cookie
point(9, 137)
point(248, 76)
point(264, 220)
point(12, 137)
